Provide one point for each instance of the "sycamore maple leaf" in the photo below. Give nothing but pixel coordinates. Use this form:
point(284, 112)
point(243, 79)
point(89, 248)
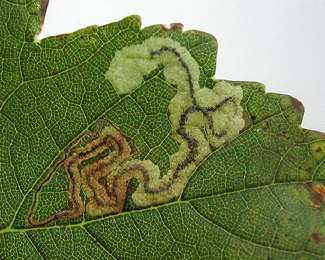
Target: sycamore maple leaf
point(244, 180)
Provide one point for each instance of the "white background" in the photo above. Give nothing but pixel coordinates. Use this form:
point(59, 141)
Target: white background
point(280, 43)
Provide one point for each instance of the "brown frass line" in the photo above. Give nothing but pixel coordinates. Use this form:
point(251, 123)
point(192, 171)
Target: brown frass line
point(192, 143)
point(46, 180)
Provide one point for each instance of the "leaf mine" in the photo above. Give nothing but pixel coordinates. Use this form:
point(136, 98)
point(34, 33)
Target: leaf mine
point(217, 111)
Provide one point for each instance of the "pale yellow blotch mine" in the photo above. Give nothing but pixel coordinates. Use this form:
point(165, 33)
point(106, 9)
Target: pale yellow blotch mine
point(130, 64)
point(126, 73)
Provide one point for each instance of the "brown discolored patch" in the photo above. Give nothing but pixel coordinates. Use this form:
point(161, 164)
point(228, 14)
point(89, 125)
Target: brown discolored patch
point(317, 194)
point(253, 118)
point(318, 149)
point(102, 140)
point(55, 72)
point(297, 104)
point(318, 238)
point(44, 6)
point(172, 27)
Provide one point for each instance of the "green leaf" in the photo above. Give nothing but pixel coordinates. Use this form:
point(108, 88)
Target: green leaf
point(259, 194)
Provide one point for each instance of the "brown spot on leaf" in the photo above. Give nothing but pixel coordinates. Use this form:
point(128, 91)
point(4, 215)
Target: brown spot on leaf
point(318, 149)
point(308, 169)
point(55, 72)
point(317, 194)
point(253, 118)
point(318, 238)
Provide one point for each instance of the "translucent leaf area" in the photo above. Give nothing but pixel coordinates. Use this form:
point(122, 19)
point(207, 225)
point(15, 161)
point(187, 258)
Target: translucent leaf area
point(259, 195)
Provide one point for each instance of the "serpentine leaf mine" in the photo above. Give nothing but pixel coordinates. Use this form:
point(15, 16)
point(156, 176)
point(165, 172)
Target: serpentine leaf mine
point(199, 117)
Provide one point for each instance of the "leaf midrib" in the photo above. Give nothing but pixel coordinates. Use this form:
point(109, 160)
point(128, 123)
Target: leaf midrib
point(179, 201)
